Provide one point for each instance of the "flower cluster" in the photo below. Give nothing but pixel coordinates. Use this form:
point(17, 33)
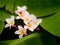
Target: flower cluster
point(30, 21)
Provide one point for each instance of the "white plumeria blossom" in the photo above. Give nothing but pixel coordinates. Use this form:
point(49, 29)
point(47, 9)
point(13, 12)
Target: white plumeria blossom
point(21, 12)
point(35, 20)
point(10, 22)
point(36, 23)
point(20, 9)
point(27, 19)
point(33, 23)
point(29, 26)
point(30, 21)
point(21, 31)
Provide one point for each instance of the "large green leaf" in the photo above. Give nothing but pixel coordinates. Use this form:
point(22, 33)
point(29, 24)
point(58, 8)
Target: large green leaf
point(28, 40)
point(10, 5)
point(37, 7)
point(4, 14)
point(1, 26)
point(52, 24)
point(2, 3)
point(32, 39)
point(47, 38)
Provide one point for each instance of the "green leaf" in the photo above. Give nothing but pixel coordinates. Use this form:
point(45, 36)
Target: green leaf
point(28, 40)
point(52, 24)
point(4, 14)
point(2, 3)
point(37, 7)
point(10, 5)
point(1, 26)
point(32, 39)
point(47, 38)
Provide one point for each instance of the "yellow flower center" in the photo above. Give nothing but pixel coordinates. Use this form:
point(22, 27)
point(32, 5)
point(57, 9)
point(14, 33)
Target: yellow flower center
point(21, 15)
point(29, 25)
point(21, 31)
point(27, 19)
point(11, 22)
point(35, 22)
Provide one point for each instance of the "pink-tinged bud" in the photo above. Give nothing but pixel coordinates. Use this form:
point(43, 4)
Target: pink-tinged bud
point(13, 25)
point(37, 29)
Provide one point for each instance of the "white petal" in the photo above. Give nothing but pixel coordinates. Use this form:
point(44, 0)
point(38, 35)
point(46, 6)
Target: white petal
point(6, 25)
point(26, 13)
point(13, 23)
point(33, 26)
point(25, 33)
point(31, 29)
point(25, 30)
point(20, 27)
point(25, 27)
point(17, 12)
point(12, 17)
point(26, 22)
point(18, 17)
point(8, 20)
point(24, 7)
point(33, 17)
point(39, 21)
point(10, 26)
point(20, 36)
point(18, 7)
point(17, 32)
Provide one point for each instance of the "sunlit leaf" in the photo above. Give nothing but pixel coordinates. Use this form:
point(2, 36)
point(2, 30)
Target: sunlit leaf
point(32, 39)
point(10, 5)
point(37, 7)
point(28, 40)
point(52, 24)
point(2, 3)
point(1, 26)
point(4, 15)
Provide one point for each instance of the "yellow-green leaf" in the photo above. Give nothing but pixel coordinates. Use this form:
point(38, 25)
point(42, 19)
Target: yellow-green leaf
point(52, 24)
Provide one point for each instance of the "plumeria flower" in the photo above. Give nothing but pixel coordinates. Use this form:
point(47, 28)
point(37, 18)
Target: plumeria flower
point(21, 31)
point(10, 22)
point(32, 25)
point(35, 20)
point(29, 26)
point(21, 12)
point(36, 23)
point(27, 19)
point(33, 17)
